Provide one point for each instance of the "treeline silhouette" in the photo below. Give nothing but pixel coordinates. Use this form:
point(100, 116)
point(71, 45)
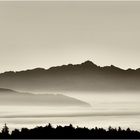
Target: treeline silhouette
point(68, 132)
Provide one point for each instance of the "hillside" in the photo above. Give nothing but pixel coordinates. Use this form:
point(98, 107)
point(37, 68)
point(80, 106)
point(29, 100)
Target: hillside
point(86, 76)
point(11, 97)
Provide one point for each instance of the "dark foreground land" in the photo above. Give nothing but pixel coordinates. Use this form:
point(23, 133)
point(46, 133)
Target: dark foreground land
point(68, 132)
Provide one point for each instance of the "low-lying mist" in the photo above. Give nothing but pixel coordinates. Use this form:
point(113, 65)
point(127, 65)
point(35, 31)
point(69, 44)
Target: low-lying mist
point(90, 109)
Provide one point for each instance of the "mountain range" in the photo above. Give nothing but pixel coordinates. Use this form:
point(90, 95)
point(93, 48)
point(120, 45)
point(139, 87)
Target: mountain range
point(86, 76)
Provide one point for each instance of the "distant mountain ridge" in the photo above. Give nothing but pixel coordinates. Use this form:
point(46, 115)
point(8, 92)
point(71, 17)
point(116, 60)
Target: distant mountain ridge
point(86, 76)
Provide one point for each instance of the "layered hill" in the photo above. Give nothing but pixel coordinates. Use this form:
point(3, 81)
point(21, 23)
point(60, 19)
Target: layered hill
point(11, 97)
point(86, 76)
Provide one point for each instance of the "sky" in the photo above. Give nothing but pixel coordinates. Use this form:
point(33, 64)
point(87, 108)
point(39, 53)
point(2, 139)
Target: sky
point(44, 34)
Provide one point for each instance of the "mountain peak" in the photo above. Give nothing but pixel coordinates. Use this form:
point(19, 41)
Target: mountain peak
point(89, 63)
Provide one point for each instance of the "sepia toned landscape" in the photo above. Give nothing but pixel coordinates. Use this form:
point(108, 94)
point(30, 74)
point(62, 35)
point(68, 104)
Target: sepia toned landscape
point(69, 69)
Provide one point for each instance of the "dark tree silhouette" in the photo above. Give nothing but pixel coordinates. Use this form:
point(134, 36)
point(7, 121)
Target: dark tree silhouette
point(68, 132)
point(5, 132)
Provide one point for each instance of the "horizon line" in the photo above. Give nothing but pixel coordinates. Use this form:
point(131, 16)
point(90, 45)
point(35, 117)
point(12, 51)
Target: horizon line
point(15, 71)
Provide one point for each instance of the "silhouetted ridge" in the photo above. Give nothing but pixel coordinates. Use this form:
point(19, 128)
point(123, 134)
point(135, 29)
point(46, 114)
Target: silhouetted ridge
point(86, 76)
point(87, 65)
point(112, 68)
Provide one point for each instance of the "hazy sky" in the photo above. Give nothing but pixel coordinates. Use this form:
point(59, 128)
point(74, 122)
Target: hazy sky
point(44, 34)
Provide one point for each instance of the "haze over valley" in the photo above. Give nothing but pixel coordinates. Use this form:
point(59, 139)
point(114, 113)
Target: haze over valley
point(70, 62)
